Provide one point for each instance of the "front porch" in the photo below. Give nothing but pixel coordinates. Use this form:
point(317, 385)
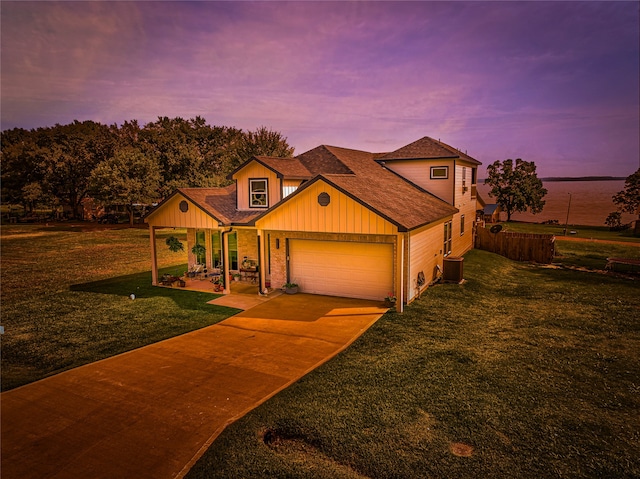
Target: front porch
point(205, 285)
point(243, 295)
point(216, 259)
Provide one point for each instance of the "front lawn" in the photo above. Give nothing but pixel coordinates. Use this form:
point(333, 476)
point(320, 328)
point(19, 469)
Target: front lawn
point(66, 298)
point(520, 372)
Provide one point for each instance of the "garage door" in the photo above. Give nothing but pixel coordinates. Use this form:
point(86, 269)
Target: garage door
point(334, 268)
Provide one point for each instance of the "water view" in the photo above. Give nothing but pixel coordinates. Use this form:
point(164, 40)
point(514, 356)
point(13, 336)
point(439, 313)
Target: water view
point(591, 202)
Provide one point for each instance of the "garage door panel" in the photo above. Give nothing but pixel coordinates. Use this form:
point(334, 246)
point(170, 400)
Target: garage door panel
point(359, 270)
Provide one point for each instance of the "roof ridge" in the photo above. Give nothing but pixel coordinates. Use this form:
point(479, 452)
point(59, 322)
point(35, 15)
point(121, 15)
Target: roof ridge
point(309, 160)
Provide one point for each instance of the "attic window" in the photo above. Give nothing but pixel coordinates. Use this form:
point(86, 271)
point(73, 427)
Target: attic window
point(439, 172)
point(258, 193)
point(184, 206)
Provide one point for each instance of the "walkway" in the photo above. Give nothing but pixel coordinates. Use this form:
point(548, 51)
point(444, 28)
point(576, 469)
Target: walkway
point(152, 412)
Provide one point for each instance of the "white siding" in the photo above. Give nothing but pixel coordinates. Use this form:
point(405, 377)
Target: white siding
point(419, 172)
point(425, 250)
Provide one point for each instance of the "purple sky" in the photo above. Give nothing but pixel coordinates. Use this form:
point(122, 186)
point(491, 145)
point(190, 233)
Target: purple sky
point(552, 82)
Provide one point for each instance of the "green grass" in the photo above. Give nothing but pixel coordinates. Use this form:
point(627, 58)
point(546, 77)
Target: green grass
point(581, 251)
point(536, 369)
point(65, 298)
point(587, 232)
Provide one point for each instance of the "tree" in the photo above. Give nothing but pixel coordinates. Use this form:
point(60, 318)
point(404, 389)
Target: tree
point(19, 162)
point(614, 220)
point(68, 155)
point(128, 178)
point(31, 195)
point(190, 152)
point(516, 188)
point(628, 200)
point(264, 142)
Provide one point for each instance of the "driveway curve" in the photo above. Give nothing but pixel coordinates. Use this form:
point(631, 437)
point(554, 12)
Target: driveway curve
point(153, 411)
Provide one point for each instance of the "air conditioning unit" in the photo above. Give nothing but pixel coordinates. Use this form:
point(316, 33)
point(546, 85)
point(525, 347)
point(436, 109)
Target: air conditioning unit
point(453, 269)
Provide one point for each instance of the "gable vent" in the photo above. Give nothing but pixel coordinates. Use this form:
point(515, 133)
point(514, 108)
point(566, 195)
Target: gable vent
point(324, 199)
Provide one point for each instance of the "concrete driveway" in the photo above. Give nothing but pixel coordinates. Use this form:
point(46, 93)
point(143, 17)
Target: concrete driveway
point(152, 412)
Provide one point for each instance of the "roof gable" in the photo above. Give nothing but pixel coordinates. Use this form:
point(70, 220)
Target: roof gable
point(322, 206)
point(357, 174)
point(282, 167)
point(216, 203)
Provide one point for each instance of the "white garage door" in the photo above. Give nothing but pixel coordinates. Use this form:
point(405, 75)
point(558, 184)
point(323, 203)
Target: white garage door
point(335, 268)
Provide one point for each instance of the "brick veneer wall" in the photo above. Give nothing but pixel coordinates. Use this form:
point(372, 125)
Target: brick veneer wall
point(247, 245)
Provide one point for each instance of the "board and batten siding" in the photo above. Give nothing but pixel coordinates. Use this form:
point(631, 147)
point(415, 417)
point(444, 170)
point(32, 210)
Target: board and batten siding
point(425, 253)
point(341, 215)
point(419, 172)
point(256, 171)
point(170, 215)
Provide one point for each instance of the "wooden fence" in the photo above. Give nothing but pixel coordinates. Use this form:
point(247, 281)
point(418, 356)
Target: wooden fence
point(539, 248)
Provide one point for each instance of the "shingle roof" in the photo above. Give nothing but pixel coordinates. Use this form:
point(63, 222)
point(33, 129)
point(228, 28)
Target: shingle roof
point(219, 203)
point(490, 209)
point(394, 198)
point(285, 167)
point(426, 148)
point(359, 174)
point(321, 161)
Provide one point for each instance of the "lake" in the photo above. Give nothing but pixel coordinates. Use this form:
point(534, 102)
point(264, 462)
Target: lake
point(591, 202)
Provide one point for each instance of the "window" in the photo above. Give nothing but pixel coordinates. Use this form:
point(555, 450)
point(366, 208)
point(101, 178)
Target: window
point(201, 256)
point(216, 250)
point(461, 225)
point(258, 193)
point(439, 172)
point(233, 252)
point(447, 238)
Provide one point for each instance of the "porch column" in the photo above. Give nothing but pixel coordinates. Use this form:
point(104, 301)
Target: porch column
point(191, 241)
point(262, 247)
point(400, 279)
point(226, 262)
point(154, 258)
point(208, 244)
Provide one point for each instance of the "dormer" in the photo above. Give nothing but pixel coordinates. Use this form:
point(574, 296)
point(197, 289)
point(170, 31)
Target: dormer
point(263, 181)
point(436, 167)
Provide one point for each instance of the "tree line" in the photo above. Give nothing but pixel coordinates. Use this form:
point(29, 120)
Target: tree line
point(124, 165)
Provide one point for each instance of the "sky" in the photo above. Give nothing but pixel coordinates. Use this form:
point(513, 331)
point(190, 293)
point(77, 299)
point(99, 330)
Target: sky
point(556, 83)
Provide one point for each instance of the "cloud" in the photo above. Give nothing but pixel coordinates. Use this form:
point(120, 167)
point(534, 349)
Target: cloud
point(494, 77)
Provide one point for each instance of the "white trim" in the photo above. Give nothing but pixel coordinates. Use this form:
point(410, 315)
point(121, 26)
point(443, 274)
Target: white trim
point(253, 192)
point(446, 171)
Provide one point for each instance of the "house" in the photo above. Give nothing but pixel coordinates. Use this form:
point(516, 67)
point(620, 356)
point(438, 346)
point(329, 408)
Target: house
point(488, 212)
point(336, 221)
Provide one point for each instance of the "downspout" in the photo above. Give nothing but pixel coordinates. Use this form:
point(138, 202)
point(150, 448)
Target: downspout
point(453, 188)
point(260, 273)
point(400, 273)
point(154, 256)
point(225, 256)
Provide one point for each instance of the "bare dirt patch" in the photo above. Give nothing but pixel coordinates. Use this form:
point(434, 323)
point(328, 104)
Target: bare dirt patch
point(461, 449)
point(592, 240)
point(301, 451)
